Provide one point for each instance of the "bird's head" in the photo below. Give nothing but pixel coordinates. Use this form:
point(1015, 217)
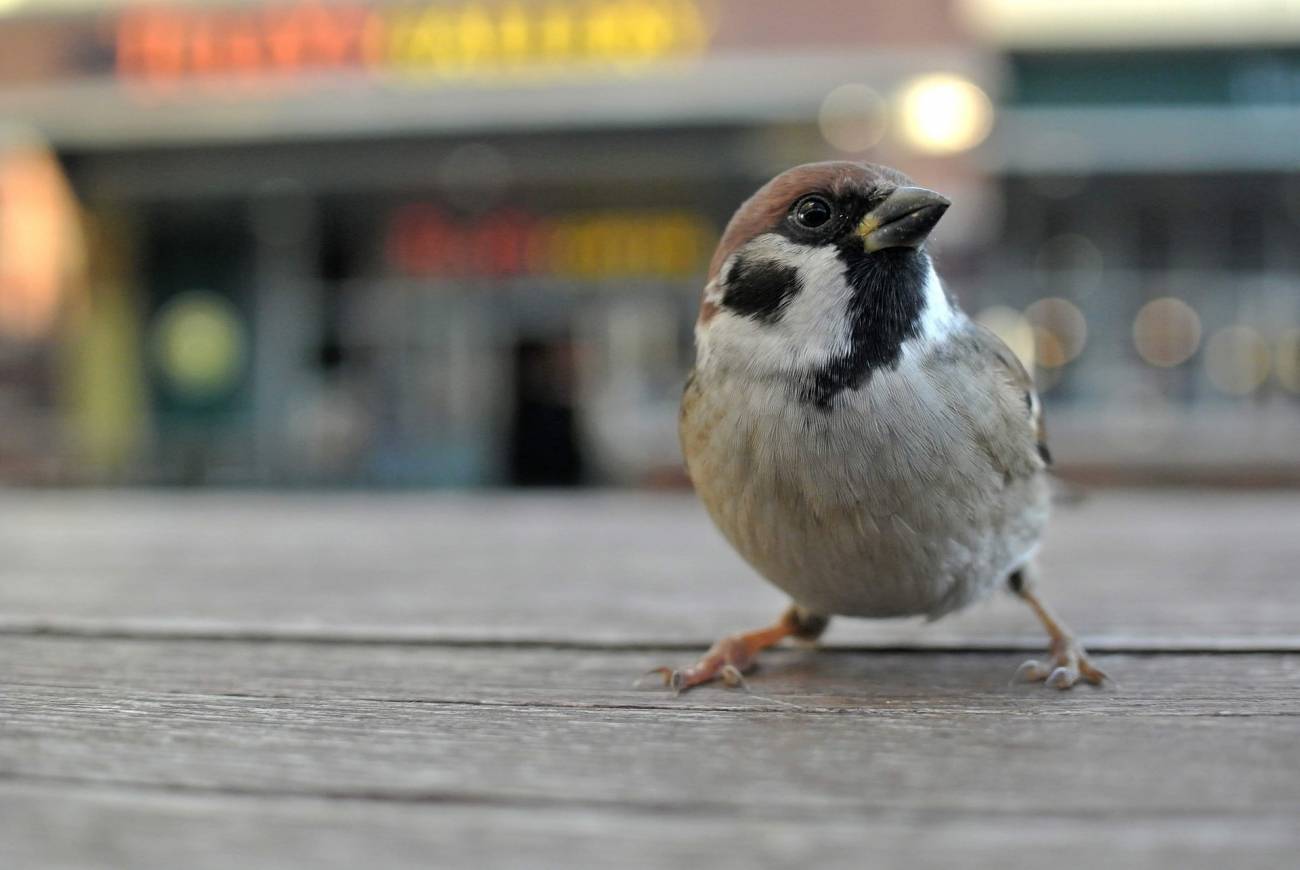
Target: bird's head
point(821, 277)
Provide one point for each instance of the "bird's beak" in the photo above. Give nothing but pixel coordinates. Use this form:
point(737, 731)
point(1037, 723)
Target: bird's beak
point(903, 220)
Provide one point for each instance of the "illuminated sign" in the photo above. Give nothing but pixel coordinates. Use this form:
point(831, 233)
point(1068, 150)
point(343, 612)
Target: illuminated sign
point(439, 41)
point(423, 241)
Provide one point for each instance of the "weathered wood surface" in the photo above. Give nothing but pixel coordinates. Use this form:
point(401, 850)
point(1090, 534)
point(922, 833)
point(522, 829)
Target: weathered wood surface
point(210, 681)
point(868, 682)
point(49, 826)
point(1193, 758)
point(1129, 570)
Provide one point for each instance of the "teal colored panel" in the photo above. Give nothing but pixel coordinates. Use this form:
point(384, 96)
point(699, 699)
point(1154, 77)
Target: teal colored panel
point(1238, 77)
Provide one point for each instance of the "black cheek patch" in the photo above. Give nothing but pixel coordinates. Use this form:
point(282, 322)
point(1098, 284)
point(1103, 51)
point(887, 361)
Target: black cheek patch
point(760, 289)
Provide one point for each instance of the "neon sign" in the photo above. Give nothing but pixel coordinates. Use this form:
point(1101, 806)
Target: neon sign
point(434, 41)
point(424, 241)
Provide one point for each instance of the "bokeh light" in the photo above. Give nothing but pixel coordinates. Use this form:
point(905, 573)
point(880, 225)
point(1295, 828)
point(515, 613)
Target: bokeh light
point(199, 344)
point(852, 118)
point(41, 242)
point(1166, 332)
point(1049, 352)
point(1013, 328)
point(1237, 359)
point(404, 199)
point(1287, 364)
point(1060, 331)
point(1069, 252)
point(944, 114)
point(1072, 261)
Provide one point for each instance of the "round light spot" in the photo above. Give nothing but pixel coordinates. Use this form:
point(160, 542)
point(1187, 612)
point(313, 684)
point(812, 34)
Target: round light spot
point(944, 114)
point(1060, 330)
point(1287, 364)
point(1049, 350)
point(1046, 379)
point(1070, 260)
point(852, 118)
point(1069, 252)
point(1009, 325)
point(1237, 359)
point(1166, 332)
point(199, 345)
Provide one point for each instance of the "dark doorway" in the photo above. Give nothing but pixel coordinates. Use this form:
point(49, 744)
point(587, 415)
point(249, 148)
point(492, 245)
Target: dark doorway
point(545, 444)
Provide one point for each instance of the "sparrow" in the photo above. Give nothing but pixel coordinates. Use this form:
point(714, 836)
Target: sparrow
point(859, 441)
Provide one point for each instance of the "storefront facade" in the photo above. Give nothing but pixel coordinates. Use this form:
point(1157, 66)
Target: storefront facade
point(461, 243)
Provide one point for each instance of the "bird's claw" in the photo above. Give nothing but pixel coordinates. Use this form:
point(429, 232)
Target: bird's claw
point(732, 676)
point(726, 660)
point(669, 678)
point(1031, 671)
point(1069, 663)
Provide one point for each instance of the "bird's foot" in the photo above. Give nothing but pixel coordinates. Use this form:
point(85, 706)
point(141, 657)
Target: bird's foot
point(1068, 663)
point(728, 659)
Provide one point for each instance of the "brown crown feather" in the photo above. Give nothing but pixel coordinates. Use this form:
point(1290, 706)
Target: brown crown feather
point(765, 209)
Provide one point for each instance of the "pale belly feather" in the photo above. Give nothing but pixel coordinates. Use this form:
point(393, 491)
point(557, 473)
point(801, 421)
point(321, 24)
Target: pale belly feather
point(882, 507)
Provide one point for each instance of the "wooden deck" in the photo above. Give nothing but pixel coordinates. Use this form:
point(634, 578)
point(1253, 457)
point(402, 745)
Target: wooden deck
point(249, 680)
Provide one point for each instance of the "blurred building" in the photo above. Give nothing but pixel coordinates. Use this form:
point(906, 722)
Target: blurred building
point(1151, 185)
point(462, 241)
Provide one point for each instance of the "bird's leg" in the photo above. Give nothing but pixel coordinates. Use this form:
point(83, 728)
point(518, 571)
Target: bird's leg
point(733, 655)
point(1068, 660)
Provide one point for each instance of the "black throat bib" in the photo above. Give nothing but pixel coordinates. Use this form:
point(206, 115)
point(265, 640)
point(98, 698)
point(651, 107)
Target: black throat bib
point(885, 311)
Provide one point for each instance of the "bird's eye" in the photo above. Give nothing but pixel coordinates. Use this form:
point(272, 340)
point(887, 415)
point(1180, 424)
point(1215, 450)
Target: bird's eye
point(812, 212)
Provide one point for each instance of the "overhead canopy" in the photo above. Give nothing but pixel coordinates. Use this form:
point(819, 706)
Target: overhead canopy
point(119, 74)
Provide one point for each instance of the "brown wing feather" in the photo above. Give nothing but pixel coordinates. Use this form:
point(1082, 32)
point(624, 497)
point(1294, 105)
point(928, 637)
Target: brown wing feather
point(1019, 379)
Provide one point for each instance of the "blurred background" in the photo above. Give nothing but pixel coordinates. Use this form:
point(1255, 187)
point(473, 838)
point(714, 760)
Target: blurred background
point(461, 242)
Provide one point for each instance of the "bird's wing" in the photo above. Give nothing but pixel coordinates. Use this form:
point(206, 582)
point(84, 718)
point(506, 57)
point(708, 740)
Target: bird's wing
point(1006, 364)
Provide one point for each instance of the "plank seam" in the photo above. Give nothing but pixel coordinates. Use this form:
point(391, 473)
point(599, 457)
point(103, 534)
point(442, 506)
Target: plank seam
point(669, 704)
point(1276, 645)
point(674, 808)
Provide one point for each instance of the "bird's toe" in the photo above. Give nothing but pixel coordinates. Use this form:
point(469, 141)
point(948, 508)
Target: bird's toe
point(1067, 665)
point(1063, 677)
point(1032, 671)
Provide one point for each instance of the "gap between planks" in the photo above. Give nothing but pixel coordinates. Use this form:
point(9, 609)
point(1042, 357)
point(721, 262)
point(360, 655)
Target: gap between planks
point(694, 809)
point(171, 631)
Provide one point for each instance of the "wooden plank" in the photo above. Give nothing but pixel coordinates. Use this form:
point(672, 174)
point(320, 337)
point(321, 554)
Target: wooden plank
point(1129, 569)
point(816, 680)
point(159, 752)
point(718, 761)
point(144, 830)
point(839, 733)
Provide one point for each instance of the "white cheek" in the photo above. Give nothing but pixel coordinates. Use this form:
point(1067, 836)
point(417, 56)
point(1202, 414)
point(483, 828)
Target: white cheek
point(738, 343)
point(815, 324)
point(813, 327)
